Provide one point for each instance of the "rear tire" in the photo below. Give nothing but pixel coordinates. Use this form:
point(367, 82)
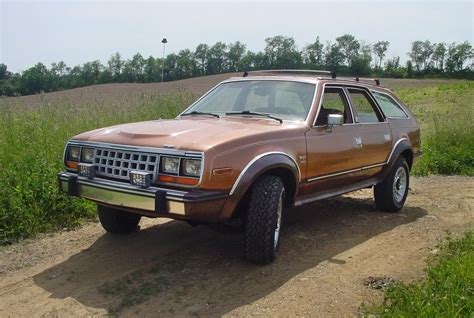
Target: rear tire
point(391, 194)
point(116, 221)
point(263, 220)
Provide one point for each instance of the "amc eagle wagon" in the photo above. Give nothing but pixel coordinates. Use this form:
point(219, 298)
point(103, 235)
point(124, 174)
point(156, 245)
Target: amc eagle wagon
point(247, 149)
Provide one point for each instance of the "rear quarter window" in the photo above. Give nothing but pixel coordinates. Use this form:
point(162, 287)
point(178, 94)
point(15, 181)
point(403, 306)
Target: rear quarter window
point(389, 106)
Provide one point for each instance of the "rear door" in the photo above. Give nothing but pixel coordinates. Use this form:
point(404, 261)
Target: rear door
point(374, 137)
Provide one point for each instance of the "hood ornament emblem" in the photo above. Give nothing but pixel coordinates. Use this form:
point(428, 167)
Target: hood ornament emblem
point(168, 146)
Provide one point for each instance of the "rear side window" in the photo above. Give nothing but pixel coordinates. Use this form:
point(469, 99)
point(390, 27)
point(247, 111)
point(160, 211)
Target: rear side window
point(389, 106)
point(365, 106)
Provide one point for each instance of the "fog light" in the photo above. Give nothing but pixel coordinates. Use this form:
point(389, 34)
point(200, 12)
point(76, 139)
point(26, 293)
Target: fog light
point(86, 170)
point(141, 179)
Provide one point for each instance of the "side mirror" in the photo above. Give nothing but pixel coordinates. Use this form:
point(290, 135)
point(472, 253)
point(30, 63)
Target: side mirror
point(334, 120)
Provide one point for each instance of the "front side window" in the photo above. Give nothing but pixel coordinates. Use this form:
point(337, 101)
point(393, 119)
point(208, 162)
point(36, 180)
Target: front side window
point(364, 105)
point(389, 106)
point(283, 99)
point(334, 102)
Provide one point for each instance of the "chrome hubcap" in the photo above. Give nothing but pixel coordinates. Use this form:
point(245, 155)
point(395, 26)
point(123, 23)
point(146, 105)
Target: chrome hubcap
point(279, 216)
point(399, 184)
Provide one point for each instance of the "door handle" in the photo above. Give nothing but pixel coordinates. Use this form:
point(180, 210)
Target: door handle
point(358, 142)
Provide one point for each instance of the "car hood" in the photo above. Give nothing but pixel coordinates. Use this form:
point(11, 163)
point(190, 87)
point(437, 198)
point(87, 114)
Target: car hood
point(196, 133)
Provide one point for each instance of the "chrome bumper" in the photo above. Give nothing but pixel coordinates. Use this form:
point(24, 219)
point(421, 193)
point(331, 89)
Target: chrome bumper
point(159, 201)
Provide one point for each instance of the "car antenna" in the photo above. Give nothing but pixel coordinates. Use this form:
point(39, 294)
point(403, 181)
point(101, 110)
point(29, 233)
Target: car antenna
point(245, 74)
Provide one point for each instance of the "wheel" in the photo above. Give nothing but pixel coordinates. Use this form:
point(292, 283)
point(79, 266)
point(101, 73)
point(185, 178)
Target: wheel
point(263, 220)
point(117, 221)
point(391, 193)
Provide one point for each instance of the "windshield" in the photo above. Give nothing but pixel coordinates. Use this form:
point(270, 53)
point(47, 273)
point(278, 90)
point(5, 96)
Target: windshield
point(282, 99)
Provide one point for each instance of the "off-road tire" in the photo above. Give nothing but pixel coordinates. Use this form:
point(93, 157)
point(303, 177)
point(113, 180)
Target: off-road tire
point(387, 196)
point(116, 221)
point(263, 220)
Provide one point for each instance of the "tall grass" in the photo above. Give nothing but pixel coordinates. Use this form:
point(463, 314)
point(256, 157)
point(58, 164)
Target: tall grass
point(447, 290)
point(446, 116)
point(32, 142)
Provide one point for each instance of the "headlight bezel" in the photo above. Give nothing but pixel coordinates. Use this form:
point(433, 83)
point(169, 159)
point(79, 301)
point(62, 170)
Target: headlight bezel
point(84, 153)
point(193, 162)
point(69, 156)
point(167, 171)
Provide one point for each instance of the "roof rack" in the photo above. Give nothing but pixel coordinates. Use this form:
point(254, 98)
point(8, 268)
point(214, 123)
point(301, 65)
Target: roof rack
point(291, 71)
point(376, 80)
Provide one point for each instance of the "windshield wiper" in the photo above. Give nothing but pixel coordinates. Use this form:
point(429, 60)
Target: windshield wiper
point(247, 112)
point(200, 113)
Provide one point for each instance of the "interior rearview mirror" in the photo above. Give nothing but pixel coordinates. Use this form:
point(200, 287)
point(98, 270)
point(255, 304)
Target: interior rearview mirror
point(334, 120)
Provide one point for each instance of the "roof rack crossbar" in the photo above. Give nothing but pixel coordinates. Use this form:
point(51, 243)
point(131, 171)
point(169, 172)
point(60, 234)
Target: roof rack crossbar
point(294, 71)
point(376, 80)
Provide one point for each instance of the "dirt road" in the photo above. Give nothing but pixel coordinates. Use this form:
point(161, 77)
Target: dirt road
point(171, 269)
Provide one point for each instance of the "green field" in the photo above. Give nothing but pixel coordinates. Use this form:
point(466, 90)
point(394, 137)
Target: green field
point(32, 140)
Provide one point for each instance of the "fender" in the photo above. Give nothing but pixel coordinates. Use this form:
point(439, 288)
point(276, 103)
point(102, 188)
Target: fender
point(400, 146)
point(255, 168)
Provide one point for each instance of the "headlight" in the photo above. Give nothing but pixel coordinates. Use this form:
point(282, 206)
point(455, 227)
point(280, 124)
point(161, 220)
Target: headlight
point(191, 167)
point(87, 155)
point(73, 153)
point(170, 165)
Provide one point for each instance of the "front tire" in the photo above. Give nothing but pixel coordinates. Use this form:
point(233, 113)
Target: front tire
point(391, 194)
point(263, 220)
point(116, 221)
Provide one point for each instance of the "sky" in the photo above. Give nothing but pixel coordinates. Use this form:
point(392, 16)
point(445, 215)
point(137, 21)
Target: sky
point(80, 31)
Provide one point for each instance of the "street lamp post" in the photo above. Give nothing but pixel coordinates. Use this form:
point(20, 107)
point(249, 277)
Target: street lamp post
point(164, 41)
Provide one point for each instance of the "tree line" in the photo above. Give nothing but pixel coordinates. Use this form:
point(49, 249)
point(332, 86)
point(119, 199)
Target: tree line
point(346, 56)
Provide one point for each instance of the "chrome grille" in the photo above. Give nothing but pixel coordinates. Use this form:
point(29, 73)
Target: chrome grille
point(116, 163)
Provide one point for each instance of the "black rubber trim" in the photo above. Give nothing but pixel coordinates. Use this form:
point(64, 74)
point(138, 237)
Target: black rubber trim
point(160, 202)
point(72, 188)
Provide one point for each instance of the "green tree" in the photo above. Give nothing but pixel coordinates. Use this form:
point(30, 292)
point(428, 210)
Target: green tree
point(379, 49)
point(281, 53)
point(185, 64)
point(458, 55)
point(333, 56)
point(200, 54)
point(115, 66)
point(439, 55)
point(361, 63)
point(4, 73)
point(313, 55)
point(152, 70)
point(416, 54)
point(235, 54)
point(217, 58)
point(349, 47)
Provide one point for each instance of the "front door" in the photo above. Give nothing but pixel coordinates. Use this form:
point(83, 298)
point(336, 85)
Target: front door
point(332, 155)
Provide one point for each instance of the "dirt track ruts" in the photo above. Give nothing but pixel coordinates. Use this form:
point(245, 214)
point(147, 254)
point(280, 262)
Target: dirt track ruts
point(328, 249)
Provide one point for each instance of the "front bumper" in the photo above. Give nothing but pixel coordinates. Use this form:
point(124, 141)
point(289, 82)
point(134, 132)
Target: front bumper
point(153, 201)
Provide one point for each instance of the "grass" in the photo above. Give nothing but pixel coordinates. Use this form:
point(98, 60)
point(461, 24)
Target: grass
point(446, 116)
point(132, 290)
point(32, 143)
point(32, 140)
point(447, 290)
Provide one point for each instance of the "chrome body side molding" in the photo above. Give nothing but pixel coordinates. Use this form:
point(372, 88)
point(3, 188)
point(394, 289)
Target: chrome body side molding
point(361, 168)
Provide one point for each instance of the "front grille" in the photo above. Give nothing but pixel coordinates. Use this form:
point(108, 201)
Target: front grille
point(114, 163)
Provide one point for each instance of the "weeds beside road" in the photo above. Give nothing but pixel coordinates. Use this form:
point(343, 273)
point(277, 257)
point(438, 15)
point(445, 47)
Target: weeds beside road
point(447, 290)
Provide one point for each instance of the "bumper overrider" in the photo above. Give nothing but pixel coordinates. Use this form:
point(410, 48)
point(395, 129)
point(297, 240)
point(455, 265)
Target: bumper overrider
point(152, 201)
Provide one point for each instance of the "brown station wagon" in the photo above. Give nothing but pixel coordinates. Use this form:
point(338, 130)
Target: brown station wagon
point(247, 149)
